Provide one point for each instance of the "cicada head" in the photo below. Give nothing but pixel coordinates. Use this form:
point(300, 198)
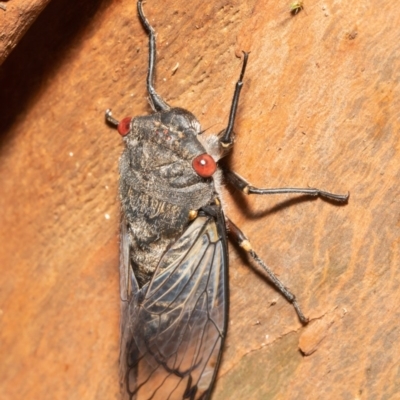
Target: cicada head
point(167, 144)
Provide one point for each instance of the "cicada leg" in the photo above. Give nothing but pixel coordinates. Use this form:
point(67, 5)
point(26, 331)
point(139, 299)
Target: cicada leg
point(244, 243)
point(241, 184)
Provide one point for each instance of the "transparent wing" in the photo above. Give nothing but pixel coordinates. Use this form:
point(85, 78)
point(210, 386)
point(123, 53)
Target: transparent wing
point(175, 325)
point(128, 288)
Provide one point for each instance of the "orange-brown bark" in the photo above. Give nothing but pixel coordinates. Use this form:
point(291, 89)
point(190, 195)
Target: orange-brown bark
point(319, 108)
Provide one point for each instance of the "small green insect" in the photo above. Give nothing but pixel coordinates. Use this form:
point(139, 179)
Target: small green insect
point(296, 7)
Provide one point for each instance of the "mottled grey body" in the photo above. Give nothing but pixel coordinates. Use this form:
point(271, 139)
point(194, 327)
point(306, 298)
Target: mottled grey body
point(158, 185)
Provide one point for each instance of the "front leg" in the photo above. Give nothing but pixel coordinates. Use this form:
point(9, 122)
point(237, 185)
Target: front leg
point(240, 183)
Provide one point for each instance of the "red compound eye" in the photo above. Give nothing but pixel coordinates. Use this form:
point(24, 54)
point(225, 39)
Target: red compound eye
point(124, 126)
point(204, 165)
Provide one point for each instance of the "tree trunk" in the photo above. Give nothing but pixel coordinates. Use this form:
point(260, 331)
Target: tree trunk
point(319, 108)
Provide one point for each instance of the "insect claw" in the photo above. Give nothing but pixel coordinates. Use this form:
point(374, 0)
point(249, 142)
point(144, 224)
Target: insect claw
point(333, 196)
point(110, 119)
point(227, 134)
point(303, 319)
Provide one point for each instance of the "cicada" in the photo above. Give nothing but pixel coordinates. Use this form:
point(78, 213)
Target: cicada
point(174, 259)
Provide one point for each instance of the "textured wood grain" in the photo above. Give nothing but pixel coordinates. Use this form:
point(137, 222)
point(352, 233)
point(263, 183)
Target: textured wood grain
point(320, 107)
point(16, 16)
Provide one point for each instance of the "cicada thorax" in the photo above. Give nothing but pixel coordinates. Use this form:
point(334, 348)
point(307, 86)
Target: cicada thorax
point(165, 173)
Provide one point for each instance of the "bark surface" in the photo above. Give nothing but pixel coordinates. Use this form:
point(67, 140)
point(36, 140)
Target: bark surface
point(319, 108)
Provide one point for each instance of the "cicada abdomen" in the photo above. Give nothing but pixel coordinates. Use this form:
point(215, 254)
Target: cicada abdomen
point(176, 323)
